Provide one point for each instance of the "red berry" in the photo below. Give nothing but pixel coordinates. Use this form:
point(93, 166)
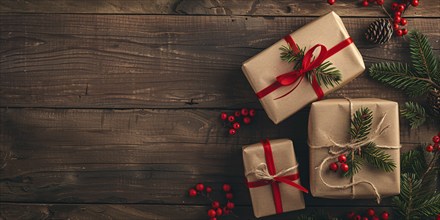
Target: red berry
point(384, 215)
point(394, 6)
point(236, 125)
point(374, 218)
point(395, 26)
point(211, 213)
point(370, 212)
point(365, 218)
point(365, 3)
point(208, 189)
point(436, 139)
point(244, 111)
point(380, 2)
point(252, 112)
point(229, 196)
point(357, 217)
point(415, 3)
point(247, 120)
point(331, 2)
point(232, 131)
point(342, 158)
point(351, 215)
point(215, 204)
point(237, 113)
point(219, 211)
point(397, 19)
point(334, 167)
point(226, 210)
point(231, 118)
point(429, 148)
point(404, 31)
point(200, 187)
point(399, 33)
point(398, 13)
point(192, 193)
point(213, 218)
point(230, 205)
point(344, 167)
point(401, 8)
point(403, 21)
point(223, 116)
point(226, 187)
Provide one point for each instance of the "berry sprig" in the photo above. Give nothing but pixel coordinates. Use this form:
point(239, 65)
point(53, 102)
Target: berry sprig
point(231, 120)
point(435, 145)
point(397, 7)
point(342, 159)
point(216, 209)
point(370, 214)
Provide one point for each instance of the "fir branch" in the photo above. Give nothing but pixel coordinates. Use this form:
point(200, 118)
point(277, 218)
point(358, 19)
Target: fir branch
point(413, 162)
point(400, 77)
point(354, 162)
point(426, 65)
point(414, 113)
point(360, 125)
point(289, 56)
point(377, 157)
point(326, 75)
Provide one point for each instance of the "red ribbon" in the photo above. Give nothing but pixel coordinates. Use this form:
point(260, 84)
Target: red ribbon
point(276, 180)
point(308, 64)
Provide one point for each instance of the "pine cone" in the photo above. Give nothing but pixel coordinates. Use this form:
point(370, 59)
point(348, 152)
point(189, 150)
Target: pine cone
point(434, 102)
point(379, 32)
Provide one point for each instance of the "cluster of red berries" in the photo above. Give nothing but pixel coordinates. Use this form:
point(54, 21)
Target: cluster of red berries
point(216, 209)
point(398, 20)
point(370, 214)
point(434, 146)
point(245, 114)
point(342, 159)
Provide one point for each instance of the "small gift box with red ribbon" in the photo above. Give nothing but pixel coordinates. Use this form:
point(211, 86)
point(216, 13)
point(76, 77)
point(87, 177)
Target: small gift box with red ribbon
point(316, 59)
point(271, 174)
point(354, 148)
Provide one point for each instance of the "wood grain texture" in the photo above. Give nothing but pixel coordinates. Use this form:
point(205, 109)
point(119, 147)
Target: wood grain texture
point(112, 211)
point(118, 61)
point(427, 8)
point(138, 156)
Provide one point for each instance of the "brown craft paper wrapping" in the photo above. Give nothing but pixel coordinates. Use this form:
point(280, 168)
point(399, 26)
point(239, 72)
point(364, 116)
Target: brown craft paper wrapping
point(332, 118)
point(262, 197)
point(262, 69)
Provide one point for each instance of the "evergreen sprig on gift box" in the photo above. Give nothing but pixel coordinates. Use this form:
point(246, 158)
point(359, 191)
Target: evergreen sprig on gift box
point(325, 74)
point(419, 197)
point(369, 153)
point(422, 78)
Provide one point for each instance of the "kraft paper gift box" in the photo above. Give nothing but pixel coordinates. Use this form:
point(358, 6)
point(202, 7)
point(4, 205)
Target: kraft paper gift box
point(262, 69)
point(272, 177)
point(329, 123)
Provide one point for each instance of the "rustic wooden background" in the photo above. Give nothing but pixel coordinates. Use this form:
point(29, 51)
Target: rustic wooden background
point(109, 109)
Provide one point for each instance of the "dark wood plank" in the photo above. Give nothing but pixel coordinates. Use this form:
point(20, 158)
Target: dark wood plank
point(105, 61)
point(427, 8)
point(18, 211)
point(138, 156)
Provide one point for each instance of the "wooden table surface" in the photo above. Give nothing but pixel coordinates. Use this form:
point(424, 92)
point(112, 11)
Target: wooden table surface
point(110, 109)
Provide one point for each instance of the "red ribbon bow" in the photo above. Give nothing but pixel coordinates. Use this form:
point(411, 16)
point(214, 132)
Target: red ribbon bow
point(276, 180)
point(308, 64)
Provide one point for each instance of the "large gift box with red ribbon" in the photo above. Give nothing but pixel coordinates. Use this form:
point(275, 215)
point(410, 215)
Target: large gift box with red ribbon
point(354, 148)
point(284, 87)
point(271, 174)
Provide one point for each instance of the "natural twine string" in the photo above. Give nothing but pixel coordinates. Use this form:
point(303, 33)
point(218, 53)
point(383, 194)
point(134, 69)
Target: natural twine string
point(262, 172)
point(353, 146)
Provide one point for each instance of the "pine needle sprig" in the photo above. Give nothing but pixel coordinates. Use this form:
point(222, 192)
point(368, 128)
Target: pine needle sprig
point(326, 75)
point(423, 60)
point(399, 76)
point(360, 125)
point(354, 162)
point(414, 113)
point(288, 55)
point(377, 157)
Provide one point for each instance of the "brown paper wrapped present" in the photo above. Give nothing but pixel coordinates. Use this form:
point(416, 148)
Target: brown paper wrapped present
point(263, 69)
point(272, 177)
point(329, 124)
